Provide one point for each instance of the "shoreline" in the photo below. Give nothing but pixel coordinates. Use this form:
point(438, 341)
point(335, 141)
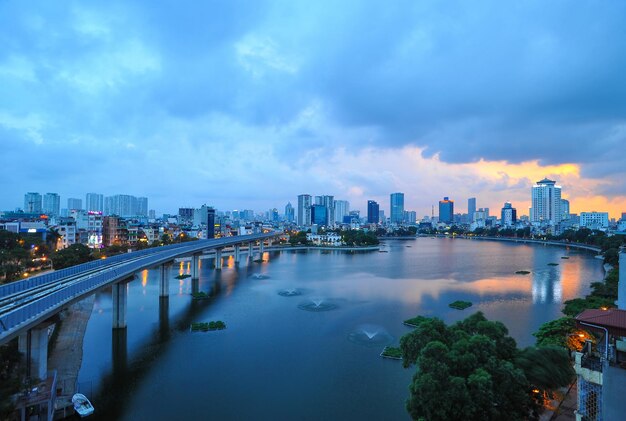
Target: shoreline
point(531, 241)
point(331, 248)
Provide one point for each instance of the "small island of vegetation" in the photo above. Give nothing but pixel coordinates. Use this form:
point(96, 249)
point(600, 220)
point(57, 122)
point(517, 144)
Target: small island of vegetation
point(205, 327)
point(183, 276)
point(460, 305)
point(392, 352)
point(522, 272)
point(200, 295)
point(553, 264)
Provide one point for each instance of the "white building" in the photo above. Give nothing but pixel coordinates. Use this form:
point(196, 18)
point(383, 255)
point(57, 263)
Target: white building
point(94, 202)
point(73, 203)
point(32, 202)
point(342, 208)
point(304, 210)
point(67, 233)
point(52, 204)
point(330, 239)
point(594, 220)
point(546, 203)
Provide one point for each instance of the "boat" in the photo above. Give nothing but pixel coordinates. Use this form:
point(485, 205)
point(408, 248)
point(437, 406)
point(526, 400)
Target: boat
point(82, 405)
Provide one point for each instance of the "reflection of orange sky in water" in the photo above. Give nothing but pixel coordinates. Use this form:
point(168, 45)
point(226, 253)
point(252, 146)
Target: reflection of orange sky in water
point(571, 279)
point(144, 277)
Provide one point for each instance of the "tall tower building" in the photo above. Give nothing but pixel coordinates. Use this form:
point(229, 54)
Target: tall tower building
point(210, 223)
point(142, 206)
point(73, 203)
point(52, 204)
point(546, 202)
point(446, 210)
point(304, 210)
point(373, 212)
point(564, 209)
point(396, 207)
point(289, 212)
point(508, 215)
point(342, 208)
point(32, 202)
point(471, 208)
point(329, 203)
point(94, 202)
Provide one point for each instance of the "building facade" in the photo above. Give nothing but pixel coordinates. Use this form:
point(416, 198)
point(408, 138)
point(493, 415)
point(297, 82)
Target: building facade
point(94, 202)
point(508, 216)
point(373, 215)
point(73, 203)
point(446, 210)
point(304, 210)
point(471, 208)
point(52, 204)
point(32, 202)
point(396, 207)
point(594, 220)
point(546, 203)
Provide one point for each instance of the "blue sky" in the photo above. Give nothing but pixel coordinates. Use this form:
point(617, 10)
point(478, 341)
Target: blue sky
point(248, 104)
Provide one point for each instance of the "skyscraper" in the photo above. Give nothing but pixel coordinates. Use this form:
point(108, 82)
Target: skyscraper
point(73, 203)
point(446, 210)
point(342, 208)
point(304, 210)
point(94, 202)
point(329, 203)
point(564, 209)
point(471, 208)
point(289, 212)
point(32, 202)
point(373, 215)
point(508, 215)
point(396, 207)
point(319, 215)
point(142, 206)
point(52, 204)
point(210, 223)
point(546, 202)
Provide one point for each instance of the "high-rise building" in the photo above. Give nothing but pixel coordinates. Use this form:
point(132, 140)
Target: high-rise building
point(289, 212)
point(73, 203)
point(410, 217)
point(564, 209)
point(329, 203)
point(546, 203)
point(32, 202)
point(210, 223)
point(508, 215)
point(51, 204)
point(373, 215)
point(319, 215)
point(342, 208)
point(471, 208)
point(125, 205)
point(304, 210)
point(94, 202)
point(396, 206)
point(446, 210)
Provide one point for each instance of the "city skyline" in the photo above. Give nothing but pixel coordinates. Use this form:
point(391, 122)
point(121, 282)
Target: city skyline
point(270, 107)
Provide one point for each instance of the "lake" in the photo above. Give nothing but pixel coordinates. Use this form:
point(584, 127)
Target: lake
point(305, 329)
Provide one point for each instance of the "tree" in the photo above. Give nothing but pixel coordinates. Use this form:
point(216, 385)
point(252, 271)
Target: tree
point(563, 333)
point(71, 256)
point(472, 370)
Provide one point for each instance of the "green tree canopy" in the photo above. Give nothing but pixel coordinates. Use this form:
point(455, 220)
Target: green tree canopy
point(472, 370)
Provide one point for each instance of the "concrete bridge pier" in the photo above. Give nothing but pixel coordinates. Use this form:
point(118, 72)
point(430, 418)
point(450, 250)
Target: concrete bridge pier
point(261, 249)
point(195, 265)
point(237, 252)
point(34, 345)
point(119, 351)
point(218, 259)
point(164, 317)
point(164, 284)
point(195, 285)
point(120, 293)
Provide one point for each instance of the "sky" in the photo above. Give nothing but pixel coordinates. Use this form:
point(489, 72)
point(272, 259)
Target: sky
point(241, 104)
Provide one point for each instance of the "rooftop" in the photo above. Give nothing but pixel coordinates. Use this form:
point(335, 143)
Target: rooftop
point(614, 320)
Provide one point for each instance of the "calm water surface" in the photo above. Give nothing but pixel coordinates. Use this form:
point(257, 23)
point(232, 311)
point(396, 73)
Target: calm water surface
point(281, 358)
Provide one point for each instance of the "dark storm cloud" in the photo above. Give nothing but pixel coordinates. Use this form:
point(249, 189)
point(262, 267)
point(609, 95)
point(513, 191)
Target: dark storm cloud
point(103, 82)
